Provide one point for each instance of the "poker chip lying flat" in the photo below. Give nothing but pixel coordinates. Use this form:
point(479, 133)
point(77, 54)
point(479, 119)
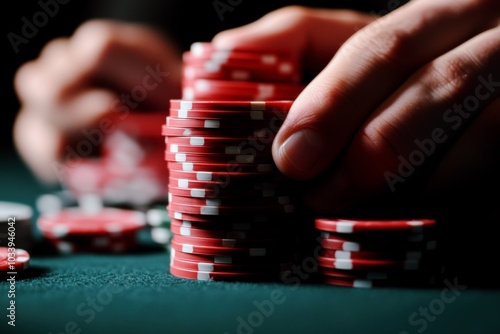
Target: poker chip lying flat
point(223, 276)
point(368, 225)
point(387, 245)
point(13, 261)
point(75, 221)
point(360, 264)
point(231, 259)
point(255, 115)
point(208, 167)
point(231, 105)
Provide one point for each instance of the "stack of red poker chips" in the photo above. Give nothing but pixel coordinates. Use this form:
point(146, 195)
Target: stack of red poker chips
point(129, 169)
point(214, 74)
point(377, 252)
point(232, 212)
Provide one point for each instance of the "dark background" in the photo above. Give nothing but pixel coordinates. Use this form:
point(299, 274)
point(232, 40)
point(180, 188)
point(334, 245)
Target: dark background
point(189, 21)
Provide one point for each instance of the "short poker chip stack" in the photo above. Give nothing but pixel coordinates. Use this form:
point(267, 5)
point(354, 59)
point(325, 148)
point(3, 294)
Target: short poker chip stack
point(91, 228)
point(377, 252)
point(233, 214)
point(128, 169)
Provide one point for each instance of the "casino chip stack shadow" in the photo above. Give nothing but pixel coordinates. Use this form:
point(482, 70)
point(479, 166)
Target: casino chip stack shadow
point(233, 215)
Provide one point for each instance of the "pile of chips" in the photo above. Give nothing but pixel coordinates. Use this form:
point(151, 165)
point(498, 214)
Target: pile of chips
point(372, 253)
point(129, 169)
point(232, 212)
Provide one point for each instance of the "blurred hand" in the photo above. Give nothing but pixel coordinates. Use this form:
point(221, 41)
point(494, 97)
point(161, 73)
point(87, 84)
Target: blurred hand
point(104, 67)
point(418, 87)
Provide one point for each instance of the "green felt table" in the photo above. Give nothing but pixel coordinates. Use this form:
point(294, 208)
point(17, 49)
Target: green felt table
point(134, 293)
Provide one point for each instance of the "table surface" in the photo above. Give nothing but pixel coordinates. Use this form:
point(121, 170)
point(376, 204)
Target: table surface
point(134, 293)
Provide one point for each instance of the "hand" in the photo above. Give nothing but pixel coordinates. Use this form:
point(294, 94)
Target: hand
point(105, 66)
point(412, 93)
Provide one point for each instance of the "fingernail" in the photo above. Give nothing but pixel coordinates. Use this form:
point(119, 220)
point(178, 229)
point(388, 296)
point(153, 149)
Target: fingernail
point(302, 149)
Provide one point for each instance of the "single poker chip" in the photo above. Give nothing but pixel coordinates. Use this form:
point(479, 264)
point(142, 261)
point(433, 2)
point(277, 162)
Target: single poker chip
point(266, 134)
point(190, 93)
point(215, 210)
point(239, 202)
point(231, 183)
point(184, 229)
point(223, 276)
point(225, 176)
point(13, 260)
point(230, 251)
point(368, 225)
point(229, 168)
point(257, 217)
point(233, 259)
point(366, 283)
point(378, 275)
point(365, 255)
point(377, 245)
point(225, 149)
point(71, 221)
point(282, 73)
point(254, 158)
point(206, 141)
point(258, 224)
point(207, 48)
point(219, 124)
point(233, 243)
point(93, 246)
point(205, 266)
point(216, 191)
point(231, 105)
point(199, 52)
point(360, 264)
point(388, 237)
point(252, 115)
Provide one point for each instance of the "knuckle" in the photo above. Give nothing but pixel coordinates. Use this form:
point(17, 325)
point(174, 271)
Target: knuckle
point(293, 14)
point(449, 78)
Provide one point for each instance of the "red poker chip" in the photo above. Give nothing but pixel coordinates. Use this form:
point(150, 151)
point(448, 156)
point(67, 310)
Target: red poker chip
point(219, 124)
point(223, 276)
point(230, 251)
point(257, 217)
point(14, 260)
point(223, 184)
point(361, 264)
point(232, 259)
point(237, 202)
point(377, 275)
point(229, 168)
point(203, 54)
point(224, 177)
point(233, 243)
point(207, 48)
point(251, 73)
point(71, 221)
point(214, 210)
point(262, 88)
point(216, 191)
point(264, 133)
point(241, 224)
point(205, 266)
point(399, 237)
point(188, 231)
point(231, 105)
point(369, 225)
point(251, 115)
point(219, 150)
point(366, 255)
point(366, 283)
point(385, 246)
point(189, 93)
point(93, 246)
point(255, 158)
point(200, 141)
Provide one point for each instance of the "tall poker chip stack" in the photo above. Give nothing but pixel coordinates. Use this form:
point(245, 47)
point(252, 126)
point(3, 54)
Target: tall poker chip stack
point(368, 253)
point(232, 212)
